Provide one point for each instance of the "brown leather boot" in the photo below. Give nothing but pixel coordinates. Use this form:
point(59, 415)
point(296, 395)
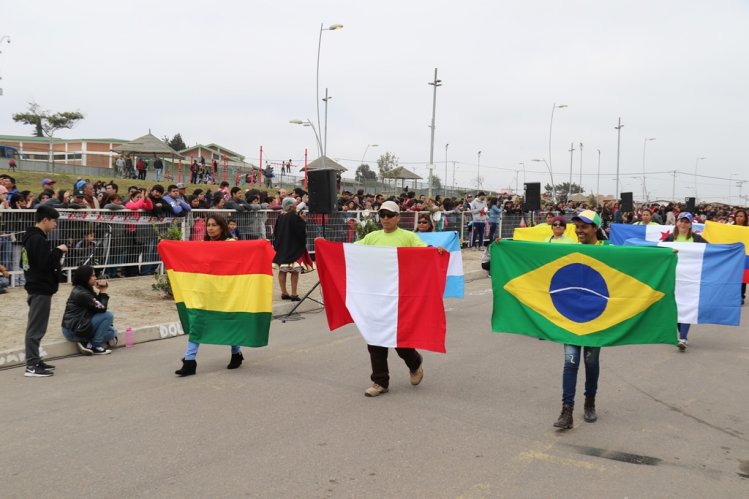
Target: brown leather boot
point(565, 418)
point(589, 411)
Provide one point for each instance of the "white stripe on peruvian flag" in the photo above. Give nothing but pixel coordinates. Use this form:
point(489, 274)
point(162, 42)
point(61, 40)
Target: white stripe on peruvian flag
point(393, 295)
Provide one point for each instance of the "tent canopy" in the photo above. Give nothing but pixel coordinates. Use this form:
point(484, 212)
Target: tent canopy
point(325, 163)
point(148, 144)
point(401, 172)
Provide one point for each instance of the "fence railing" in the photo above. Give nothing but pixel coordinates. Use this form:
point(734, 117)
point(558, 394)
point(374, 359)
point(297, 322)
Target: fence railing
point(123, 243)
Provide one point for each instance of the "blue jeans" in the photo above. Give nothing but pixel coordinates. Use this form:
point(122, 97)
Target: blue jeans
point(478, 233)
point(103, 329)
point(493, 226)
point(571, 366)
point(683, 331)
point(158, 174)
point(192, 350)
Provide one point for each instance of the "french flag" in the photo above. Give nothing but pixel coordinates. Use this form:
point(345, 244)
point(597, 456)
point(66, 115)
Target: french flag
point(619, 233)
point(393, 295)
point(708, 281)
point(455, 284)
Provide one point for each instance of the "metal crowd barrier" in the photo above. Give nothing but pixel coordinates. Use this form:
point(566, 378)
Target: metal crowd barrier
point(123, 243)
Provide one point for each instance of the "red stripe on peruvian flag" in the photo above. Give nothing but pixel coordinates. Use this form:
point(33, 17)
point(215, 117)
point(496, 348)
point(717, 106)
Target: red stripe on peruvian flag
point(331, 267)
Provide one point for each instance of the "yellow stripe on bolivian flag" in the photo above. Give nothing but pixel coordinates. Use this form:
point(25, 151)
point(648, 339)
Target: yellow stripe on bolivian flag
point(249, 292)
point(541, 232)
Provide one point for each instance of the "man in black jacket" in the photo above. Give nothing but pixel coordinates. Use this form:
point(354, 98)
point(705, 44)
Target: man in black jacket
point(40, 266)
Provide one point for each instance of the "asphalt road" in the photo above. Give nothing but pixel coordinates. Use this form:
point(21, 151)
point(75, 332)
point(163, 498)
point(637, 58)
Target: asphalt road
point(293, 421)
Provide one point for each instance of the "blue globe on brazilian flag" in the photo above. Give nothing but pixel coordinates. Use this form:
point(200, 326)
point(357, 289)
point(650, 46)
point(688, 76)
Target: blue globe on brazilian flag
point(584, 294)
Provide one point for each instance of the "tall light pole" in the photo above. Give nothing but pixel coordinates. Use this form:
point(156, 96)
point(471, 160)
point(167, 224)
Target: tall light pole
point(598, 180)
point(644, 189)
point(569, 188)
point(312, 126)
point(618, 144)
point(580, 182)
point(325, 134)
point(365, 151)
point(695, 176)
point(551, 125)
point(478, 172)
point(332, 27)
point(551, 175)
point(445, 184)
point(4, 38)
point(436, 83)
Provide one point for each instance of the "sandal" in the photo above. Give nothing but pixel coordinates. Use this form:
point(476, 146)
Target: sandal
point(285, 296)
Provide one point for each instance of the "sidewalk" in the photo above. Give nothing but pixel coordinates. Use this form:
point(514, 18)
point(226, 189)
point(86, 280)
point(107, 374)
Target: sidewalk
point(136, 305)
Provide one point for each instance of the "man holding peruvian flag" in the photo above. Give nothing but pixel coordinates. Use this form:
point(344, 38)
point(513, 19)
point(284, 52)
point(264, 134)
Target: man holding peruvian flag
point(394, 297)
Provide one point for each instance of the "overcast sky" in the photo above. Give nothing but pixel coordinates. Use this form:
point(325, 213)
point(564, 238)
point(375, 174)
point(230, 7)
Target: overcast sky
point(235, 73)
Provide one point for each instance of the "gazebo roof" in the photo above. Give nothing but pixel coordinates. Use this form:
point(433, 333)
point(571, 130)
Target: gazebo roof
point(401, 172)
point(148, 144)
point(325, 163)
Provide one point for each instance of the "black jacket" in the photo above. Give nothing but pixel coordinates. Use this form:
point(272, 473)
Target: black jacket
point(40, 263)
point(695, 238)
point(289, 238)
point(82, 304)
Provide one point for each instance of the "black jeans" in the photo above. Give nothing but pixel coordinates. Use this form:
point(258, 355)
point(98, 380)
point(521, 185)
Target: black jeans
point(379, 358)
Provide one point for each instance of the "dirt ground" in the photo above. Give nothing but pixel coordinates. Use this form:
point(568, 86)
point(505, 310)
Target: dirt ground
point(134, 304)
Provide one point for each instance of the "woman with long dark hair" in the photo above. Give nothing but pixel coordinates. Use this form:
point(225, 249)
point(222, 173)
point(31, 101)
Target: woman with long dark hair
point(86, 320)
point(216, 229)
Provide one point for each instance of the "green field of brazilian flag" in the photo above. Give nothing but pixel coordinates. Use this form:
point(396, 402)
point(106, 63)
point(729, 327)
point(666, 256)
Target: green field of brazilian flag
point(583, 294)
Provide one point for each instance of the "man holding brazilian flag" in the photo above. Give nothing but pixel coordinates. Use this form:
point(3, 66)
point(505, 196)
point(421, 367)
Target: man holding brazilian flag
point(586, 296)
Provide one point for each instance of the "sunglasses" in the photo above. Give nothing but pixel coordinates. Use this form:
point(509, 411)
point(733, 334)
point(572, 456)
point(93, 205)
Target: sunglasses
point(387, 214)
point(557, 224)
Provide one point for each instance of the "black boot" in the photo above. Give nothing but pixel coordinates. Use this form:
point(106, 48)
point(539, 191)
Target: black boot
point(236, 360)
point(589, 414)
point(565, 418)
point(188, 368)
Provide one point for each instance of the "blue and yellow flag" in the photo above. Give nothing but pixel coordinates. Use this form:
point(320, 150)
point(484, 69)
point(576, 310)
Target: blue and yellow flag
point(583, 294)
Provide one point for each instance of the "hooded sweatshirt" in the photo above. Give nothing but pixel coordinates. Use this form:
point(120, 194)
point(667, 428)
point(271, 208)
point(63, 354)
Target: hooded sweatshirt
point(40, 263)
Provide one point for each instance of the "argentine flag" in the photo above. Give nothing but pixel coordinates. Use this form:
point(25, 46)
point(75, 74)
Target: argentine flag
point(619, 233)
point(708, 281)
point(451, 242)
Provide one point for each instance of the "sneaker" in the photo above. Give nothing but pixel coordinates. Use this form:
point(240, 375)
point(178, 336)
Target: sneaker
point(417, 376)
point(100, 351)
point(44, 365)
point(84, 348)
point(37, 372)
point(682, 345)
point(375, 390)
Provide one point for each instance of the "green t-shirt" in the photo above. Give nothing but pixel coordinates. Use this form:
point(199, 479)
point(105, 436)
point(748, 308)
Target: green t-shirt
point(399, 238)
point(561, 240)
point(683, 239)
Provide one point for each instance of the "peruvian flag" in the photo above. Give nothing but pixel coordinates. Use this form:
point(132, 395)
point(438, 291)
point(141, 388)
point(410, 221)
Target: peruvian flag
point(393, 295)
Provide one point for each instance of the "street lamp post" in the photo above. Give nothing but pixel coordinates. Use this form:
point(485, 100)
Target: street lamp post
point(365, 152)
point(478, 172)
point(695, 176)
point(445, 181)
point(551, 175)
point(325, 133)
point(312, 126)
point(644, 189)
point(618, 144)
point(332, 27)
point(436, 83)
point(551, 125)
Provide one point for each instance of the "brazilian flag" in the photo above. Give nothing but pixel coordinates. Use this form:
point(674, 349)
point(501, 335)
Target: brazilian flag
point(584, 294)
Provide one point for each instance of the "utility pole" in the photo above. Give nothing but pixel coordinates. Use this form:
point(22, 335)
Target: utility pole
point(569, 187)
point(618, 144)
point(580, 183)
point(436, 83)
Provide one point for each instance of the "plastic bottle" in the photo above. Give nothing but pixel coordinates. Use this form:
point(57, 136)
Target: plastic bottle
point(129, 339)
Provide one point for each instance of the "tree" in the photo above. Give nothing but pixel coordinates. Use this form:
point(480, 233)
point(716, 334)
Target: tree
point(175, 142)
point(436, 183)
point(44, 123)
point(386, 162)
point(364, 173)
point(563, 189)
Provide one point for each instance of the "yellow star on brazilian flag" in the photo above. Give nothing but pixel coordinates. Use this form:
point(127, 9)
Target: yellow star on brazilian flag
point(584, 294)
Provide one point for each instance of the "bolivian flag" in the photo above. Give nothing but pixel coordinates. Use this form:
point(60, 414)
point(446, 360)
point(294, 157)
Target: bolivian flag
point(223, 290)
point(584, 294)
point(725, 234)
